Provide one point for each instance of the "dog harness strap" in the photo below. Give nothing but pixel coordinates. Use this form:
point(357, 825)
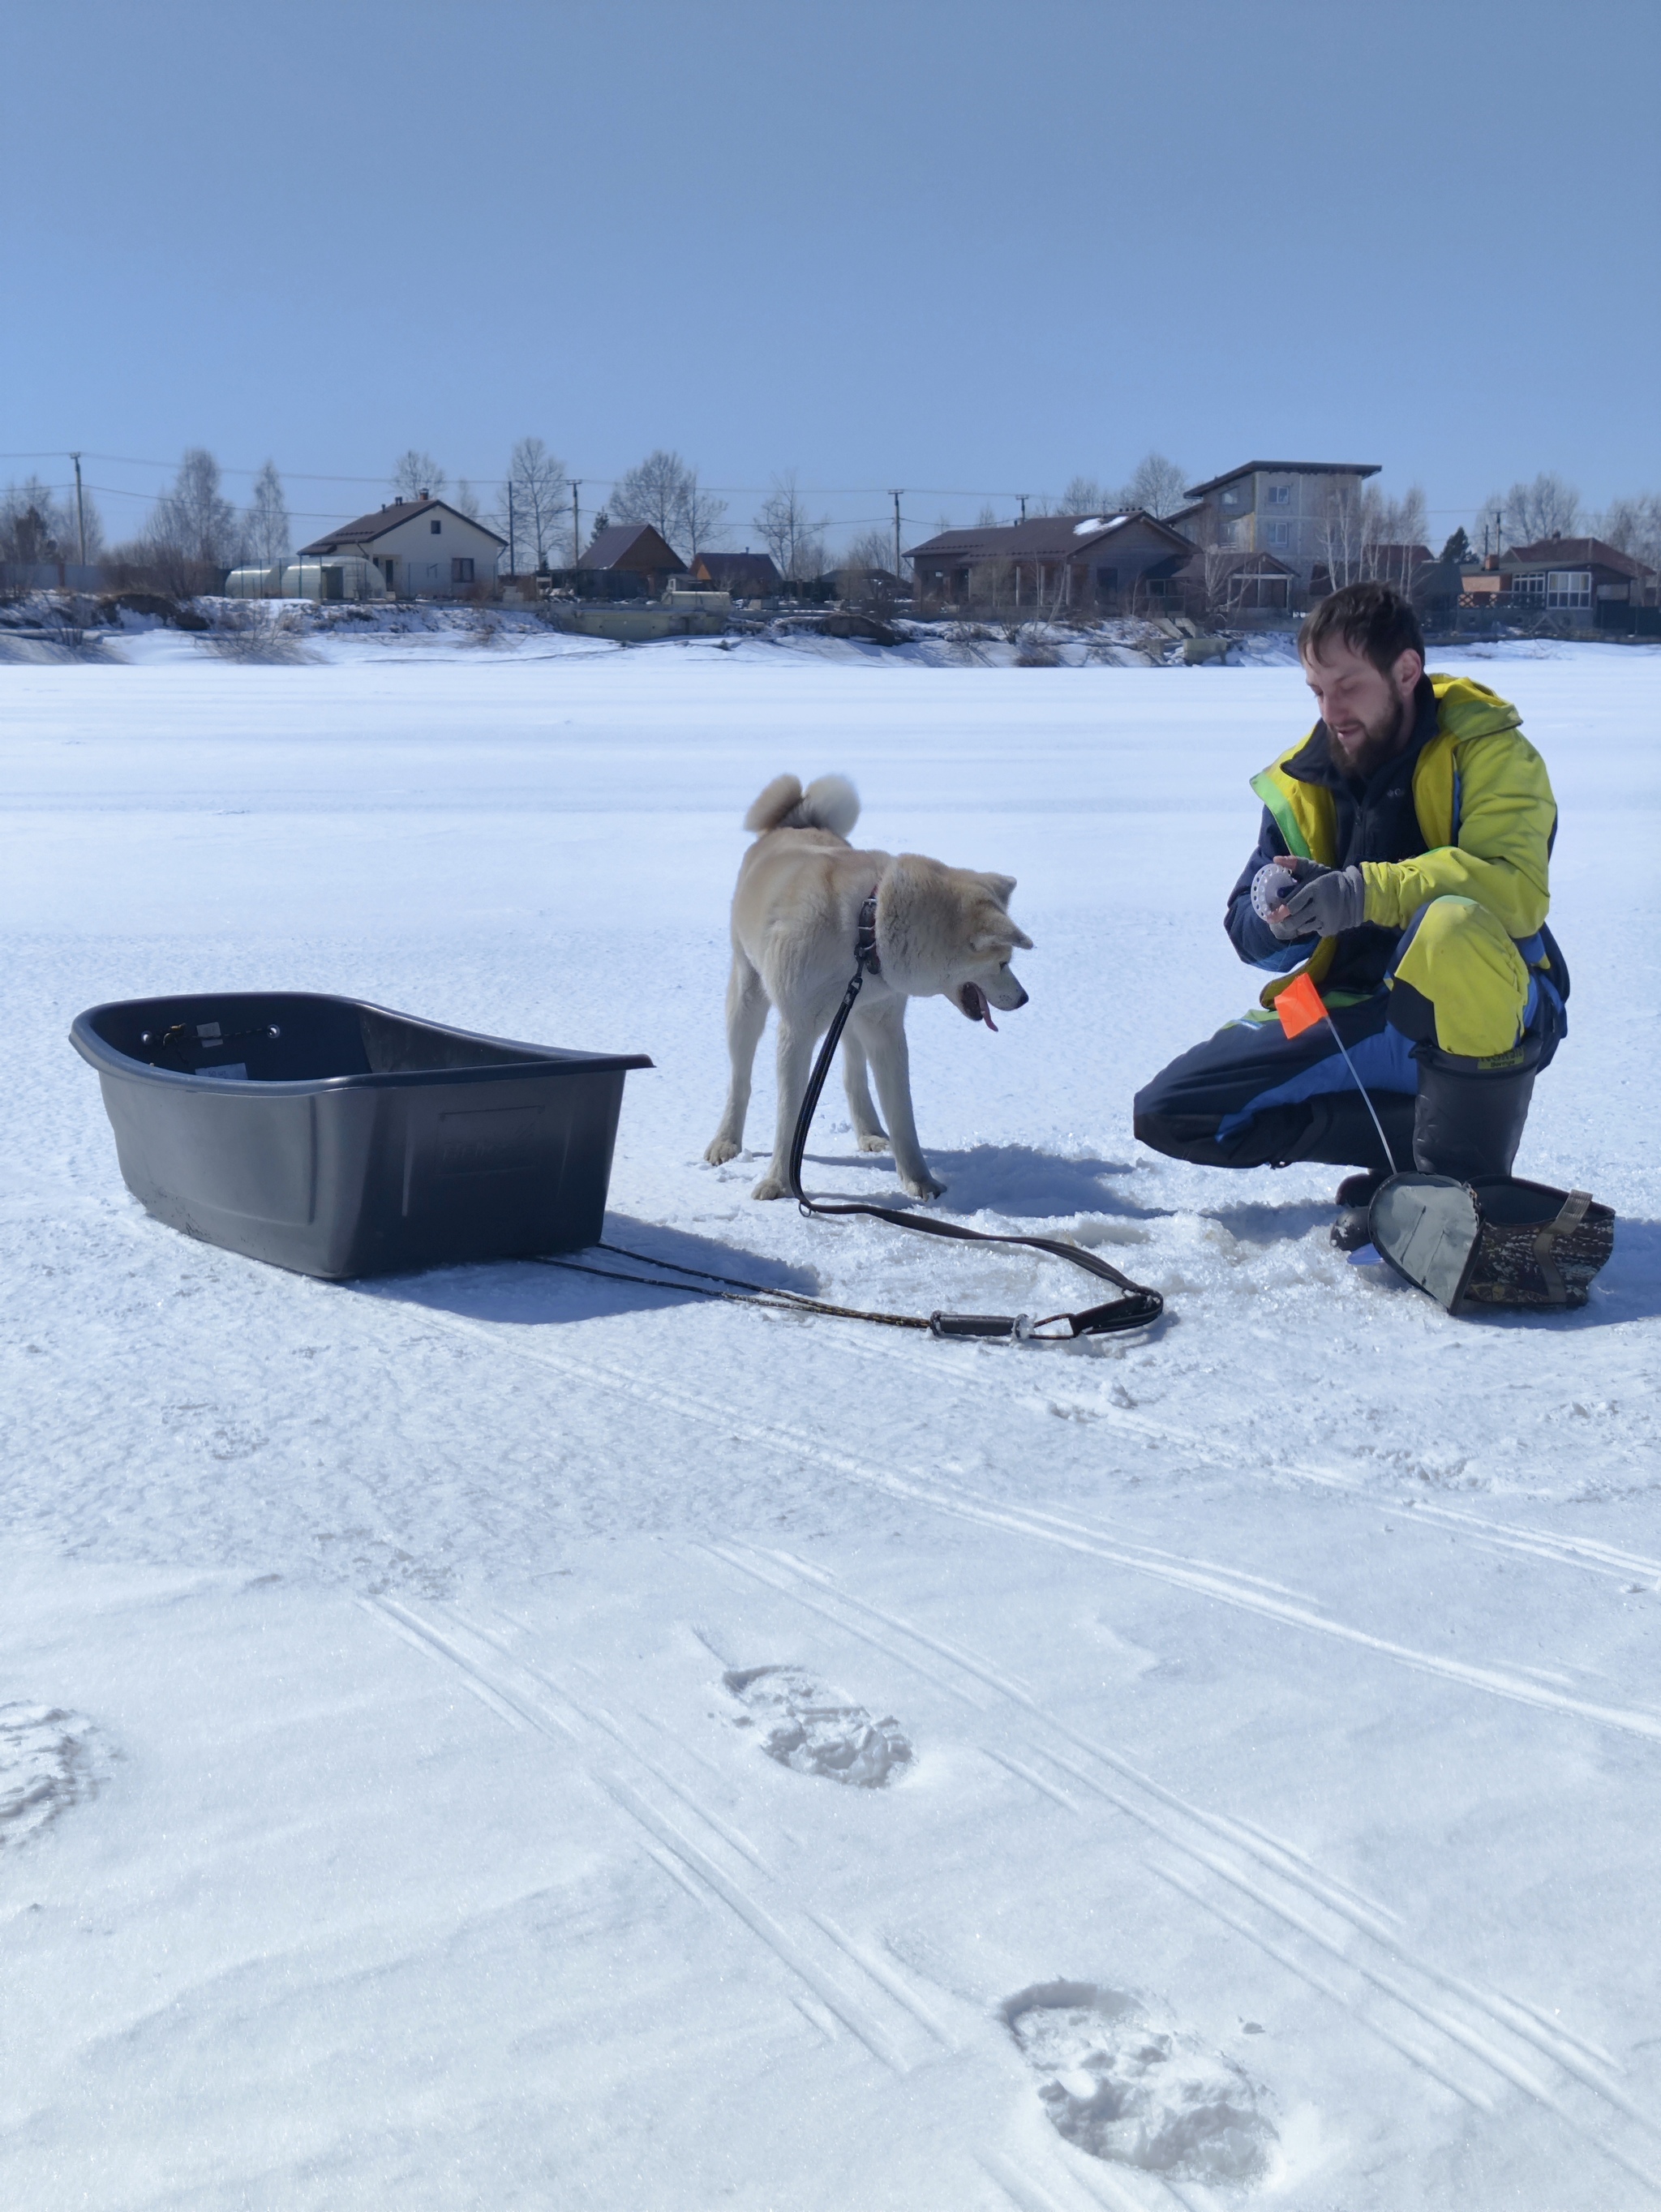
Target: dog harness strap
point(865, 943)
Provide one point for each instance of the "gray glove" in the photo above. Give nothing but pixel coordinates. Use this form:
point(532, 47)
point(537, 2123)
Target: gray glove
point(1326, 902)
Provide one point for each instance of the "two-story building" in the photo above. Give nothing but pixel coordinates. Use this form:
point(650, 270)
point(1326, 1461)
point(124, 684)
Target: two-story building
point(1054, 564)
point(1282, 507)
point(423, 547)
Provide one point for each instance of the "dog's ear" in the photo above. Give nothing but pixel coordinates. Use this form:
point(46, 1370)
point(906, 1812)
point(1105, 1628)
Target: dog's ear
point(1001, 940)
point(1002, 887)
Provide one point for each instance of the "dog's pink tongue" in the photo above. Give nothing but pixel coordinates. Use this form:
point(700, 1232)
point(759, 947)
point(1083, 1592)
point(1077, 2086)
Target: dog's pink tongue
point(986, 1016)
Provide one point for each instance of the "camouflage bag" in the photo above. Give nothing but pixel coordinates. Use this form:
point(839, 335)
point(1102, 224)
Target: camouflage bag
point(1497, 1243)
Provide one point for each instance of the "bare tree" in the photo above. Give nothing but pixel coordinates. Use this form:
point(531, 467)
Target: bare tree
point(1348, 533)
point(195, 534)
point(663, 491)
point(1391, 529)
point(269, 536)
point(1084, 495)
point(700, 518)
point(652, 492)
point(865, 572)
point(1156, 485)
point(38, 522)
point(541, 511)
point(464, 500)
point(1548, 507)
point(1633, 526)
point(33, 526)
point(794, 537)
point(416, 474)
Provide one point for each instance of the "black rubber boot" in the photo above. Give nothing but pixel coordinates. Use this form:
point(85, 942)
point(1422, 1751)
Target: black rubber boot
point(1350, 1232)
point(1469, 1120)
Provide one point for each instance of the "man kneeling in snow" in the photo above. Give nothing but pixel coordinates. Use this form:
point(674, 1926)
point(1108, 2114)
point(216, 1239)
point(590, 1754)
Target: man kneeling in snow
point(1418, 823)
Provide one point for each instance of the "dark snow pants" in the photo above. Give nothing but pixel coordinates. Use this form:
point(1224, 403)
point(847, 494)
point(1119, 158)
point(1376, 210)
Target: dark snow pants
point(1252, 1097)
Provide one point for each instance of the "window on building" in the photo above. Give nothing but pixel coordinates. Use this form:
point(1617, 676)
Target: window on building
point(1278, 533)
point(434, 525)
point(1529, 587)
point(462, 571)
point(1279, 496)
point(1568, 587)
point(1229, 499)
point(1107, 581)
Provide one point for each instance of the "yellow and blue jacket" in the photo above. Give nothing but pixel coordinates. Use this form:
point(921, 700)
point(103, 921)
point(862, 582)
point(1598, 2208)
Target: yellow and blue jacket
point(1467, 812)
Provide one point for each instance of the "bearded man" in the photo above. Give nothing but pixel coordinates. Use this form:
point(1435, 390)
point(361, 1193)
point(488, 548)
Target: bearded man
point(1417, 821)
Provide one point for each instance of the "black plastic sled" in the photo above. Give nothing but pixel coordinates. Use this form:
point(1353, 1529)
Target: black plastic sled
point(1500, 1242)
point(336, 1139)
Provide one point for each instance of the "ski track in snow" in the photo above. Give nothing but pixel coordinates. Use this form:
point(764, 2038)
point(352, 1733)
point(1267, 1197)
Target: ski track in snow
point(926, 1488)
point(809, 1949)
point(1282, 1883)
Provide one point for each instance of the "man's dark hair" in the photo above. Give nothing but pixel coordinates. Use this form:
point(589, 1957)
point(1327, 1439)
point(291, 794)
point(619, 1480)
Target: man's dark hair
point(1374, 619)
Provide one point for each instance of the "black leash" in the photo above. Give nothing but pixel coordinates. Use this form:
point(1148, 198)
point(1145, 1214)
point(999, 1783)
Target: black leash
point(1135, 1309)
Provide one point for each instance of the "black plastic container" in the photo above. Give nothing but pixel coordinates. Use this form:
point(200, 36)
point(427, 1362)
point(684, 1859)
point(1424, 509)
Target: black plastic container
point(337, 1139)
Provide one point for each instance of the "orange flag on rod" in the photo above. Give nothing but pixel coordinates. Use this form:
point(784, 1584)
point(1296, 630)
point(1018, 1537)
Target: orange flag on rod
point(1299, 1005)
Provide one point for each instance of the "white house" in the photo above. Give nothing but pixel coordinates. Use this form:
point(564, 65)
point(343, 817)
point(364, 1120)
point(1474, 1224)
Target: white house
point(424, 549)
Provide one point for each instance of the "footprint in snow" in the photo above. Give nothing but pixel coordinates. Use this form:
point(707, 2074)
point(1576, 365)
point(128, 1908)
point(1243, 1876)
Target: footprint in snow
point(49, 1760)
point(1123, 2088)
point(805, 1728)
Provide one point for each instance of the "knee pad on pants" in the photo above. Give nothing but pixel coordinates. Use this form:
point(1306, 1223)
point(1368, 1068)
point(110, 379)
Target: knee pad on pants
point(1459, 959)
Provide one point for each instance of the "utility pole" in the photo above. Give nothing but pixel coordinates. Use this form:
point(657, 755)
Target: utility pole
point(80, 510)
point(1022, 497)
point(576, 522)
point(513, 549)
point(896, 498)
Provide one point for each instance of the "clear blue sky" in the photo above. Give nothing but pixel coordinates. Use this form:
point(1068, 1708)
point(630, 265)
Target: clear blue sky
point(959, 247)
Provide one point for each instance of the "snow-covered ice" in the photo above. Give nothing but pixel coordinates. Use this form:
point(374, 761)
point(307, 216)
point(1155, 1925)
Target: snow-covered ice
point(1265, 1712)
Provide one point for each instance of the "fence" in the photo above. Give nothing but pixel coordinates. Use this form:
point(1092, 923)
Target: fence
point(50, 576)
point(1627, 620)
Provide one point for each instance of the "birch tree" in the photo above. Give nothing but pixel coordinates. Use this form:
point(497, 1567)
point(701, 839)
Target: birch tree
point(794, 536)
point(268, 532)
point(195, 533)
point(1156, 485)
point(541, 510)
point(416, 473)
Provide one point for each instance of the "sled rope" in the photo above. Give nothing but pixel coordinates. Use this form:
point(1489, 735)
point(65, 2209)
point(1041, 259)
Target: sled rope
point(736, 1293)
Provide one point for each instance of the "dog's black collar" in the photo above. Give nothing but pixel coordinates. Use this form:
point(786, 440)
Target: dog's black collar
point(865, 940)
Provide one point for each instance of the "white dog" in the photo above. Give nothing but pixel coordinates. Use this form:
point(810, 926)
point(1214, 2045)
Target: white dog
point(940, 932)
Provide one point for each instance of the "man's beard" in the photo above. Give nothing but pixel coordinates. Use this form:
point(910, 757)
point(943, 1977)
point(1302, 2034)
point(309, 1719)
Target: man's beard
point(1381, 741)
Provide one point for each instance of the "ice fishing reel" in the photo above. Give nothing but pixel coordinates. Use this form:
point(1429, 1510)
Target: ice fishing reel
point(1271, 887)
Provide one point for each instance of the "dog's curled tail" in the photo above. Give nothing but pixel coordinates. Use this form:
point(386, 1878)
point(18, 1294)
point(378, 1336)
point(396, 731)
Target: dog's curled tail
point(829, 802)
